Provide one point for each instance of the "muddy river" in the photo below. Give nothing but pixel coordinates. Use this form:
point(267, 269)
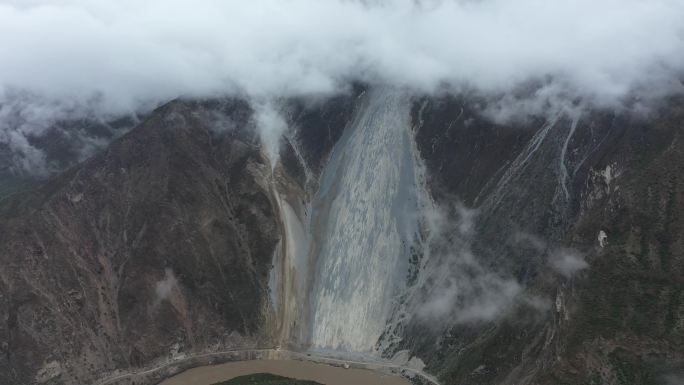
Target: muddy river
point(303, 370)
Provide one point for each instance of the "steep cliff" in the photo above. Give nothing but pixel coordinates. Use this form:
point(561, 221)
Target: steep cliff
point(157, 246)
point(582, 209)
point(544, 250)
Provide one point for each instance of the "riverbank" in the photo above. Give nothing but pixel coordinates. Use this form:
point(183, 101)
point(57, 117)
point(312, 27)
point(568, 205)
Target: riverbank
point(166, 370)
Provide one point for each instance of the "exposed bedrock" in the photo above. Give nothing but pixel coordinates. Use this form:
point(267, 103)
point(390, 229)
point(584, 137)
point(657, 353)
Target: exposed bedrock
point(544, 251)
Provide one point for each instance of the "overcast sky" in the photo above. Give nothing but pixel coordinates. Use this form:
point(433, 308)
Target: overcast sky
point(130, 51)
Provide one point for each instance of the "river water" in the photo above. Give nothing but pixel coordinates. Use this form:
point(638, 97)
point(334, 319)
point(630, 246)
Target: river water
point(303, 370)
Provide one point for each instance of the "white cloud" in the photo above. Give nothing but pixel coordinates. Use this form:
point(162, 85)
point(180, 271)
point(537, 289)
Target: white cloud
point(567, 261)
point(126, 51)
point(165, 287)
point(271, 126)
point(453, 287)
point(564, 260)
point(116, 56)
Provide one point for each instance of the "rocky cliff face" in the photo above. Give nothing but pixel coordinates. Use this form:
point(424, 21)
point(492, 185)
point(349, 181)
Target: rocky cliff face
point(546, 251)
point(580, 208)
point(159, 245)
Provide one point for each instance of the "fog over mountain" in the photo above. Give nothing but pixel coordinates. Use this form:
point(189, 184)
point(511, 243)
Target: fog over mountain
point(69, 59)
point(120, 55)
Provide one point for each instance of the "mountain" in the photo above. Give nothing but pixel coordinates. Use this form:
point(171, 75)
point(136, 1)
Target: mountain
point(543, 251)
point(165, 237)
point(604, 185)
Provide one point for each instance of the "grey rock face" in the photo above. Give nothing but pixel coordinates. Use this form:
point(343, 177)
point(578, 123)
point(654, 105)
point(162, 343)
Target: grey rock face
point(159, 245)
point(578, 209)
point(546, 251)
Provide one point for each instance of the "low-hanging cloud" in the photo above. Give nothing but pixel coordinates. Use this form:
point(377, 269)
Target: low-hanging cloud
point(66, 57)
point(125, 52)
point(271, 126)
point(74, 132)
point(165, 287)
point(454, 287)
point(567, 261)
